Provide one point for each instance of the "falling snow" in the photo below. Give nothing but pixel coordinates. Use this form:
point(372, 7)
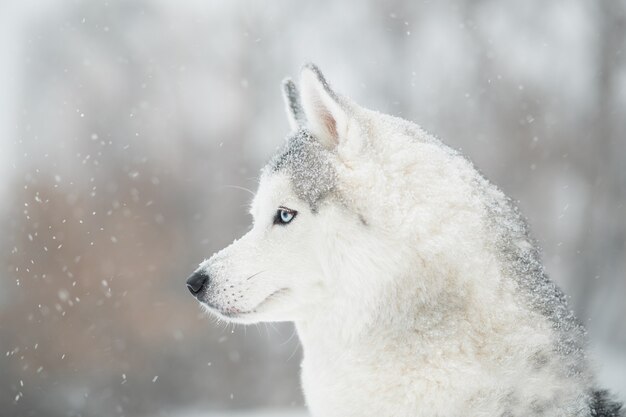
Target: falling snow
point(124, 127)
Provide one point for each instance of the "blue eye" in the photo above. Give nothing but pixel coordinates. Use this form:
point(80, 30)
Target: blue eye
point(284, 216)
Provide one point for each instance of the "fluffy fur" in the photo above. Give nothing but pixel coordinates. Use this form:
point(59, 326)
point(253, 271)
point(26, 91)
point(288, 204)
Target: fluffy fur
point(412, 280)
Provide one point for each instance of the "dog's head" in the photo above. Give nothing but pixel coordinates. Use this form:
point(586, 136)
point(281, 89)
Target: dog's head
point(328, 216)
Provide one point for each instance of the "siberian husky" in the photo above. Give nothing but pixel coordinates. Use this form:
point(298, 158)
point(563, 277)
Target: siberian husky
point(412, 280)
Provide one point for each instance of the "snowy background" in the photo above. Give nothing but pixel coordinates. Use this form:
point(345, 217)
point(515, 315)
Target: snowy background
point(125, 124)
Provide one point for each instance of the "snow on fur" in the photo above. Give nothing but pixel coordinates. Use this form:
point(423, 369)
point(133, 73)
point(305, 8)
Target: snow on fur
point(413, 281)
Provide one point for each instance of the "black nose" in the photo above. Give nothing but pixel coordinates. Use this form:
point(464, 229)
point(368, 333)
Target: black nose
point(196, 282)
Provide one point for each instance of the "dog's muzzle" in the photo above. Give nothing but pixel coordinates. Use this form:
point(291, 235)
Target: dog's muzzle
point(196, 283)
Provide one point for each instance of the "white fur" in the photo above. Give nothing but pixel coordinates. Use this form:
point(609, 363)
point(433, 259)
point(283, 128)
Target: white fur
point(401, 302)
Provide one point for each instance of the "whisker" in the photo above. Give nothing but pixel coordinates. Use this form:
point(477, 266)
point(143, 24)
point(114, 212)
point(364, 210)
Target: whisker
point(254, 275)
point(294, 351)
point(293, 333)
point(239, 188)
point(273, 327)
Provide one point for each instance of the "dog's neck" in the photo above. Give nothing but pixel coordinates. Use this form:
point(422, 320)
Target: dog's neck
point(404, 320)
point(404, 315)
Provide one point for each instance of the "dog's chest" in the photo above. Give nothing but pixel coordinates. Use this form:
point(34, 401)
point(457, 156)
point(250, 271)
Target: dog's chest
point(346, 386)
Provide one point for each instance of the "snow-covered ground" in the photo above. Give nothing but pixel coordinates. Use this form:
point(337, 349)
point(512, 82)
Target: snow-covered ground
point(268, 412)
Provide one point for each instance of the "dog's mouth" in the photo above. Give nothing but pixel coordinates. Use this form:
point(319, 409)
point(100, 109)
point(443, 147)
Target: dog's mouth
point(232, 312)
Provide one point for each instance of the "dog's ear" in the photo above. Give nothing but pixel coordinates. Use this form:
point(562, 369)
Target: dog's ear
point(295, 114)
point(324, 110)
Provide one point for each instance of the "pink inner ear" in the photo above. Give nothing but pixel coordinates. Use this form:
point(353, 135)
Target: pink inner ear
point(320, 107)
point(331, 125)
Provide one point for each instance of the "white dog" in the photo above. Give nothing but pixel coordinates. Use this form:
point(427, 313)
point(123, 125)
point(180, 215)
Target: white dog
point(412, 280)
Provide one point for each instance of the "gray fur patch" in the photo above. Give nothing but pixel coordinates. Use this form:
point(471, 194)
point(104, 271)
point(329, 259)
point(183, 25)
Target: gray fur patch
point(603, 406)
point(308, 165)
point(521, 259)
point(292, 101)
